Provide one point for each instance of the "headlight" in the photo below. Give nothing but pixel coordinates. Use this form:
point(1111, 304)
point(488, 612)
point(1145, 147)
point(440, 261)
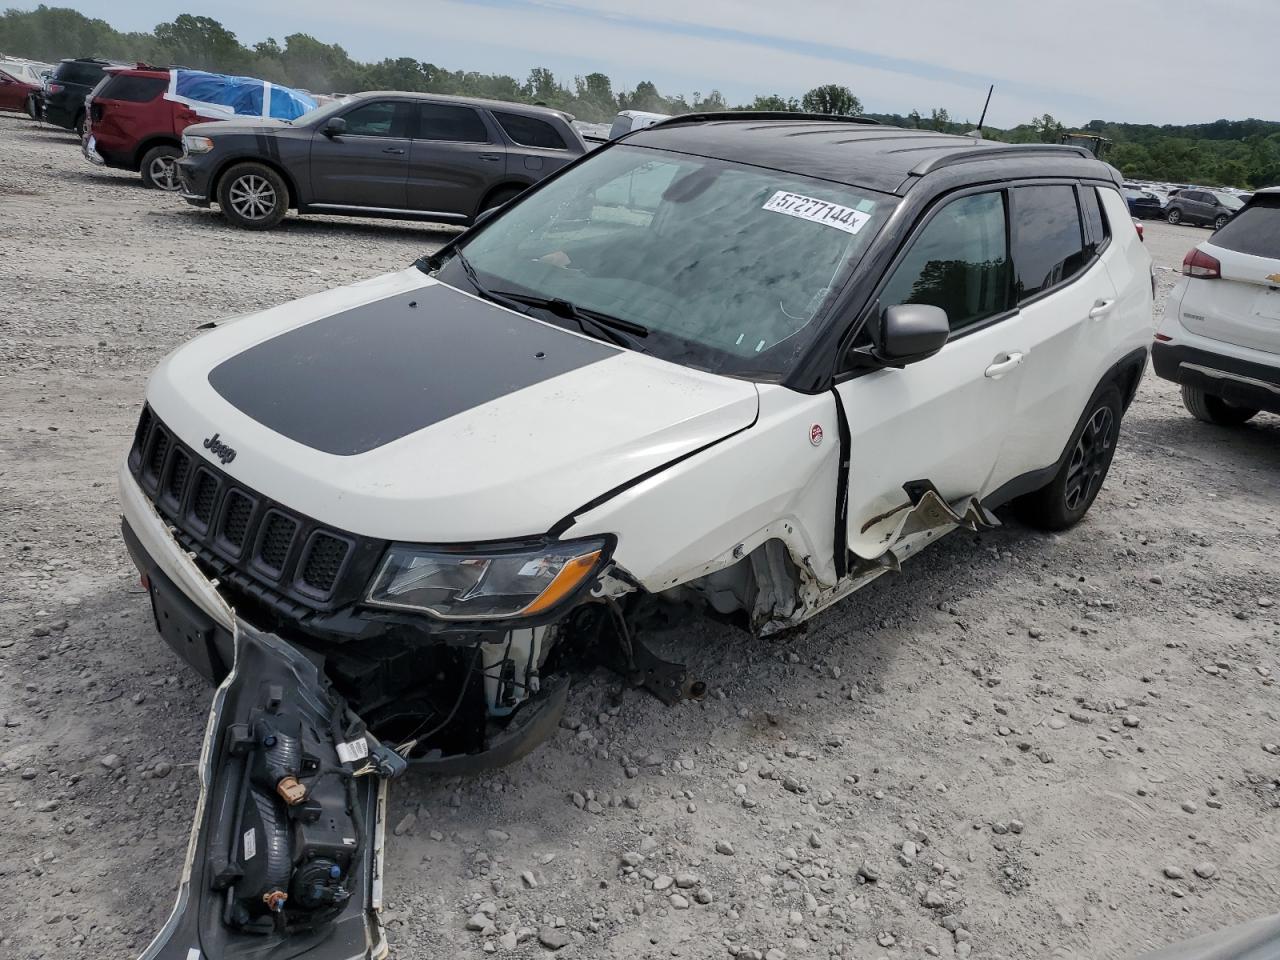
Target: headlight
point(196, 144)
point(519, 582)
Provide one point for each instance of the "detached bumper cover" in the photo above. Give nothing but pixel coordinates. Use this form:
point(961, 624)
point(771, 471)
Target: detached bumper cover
point(1240, 382)
point(269, 872)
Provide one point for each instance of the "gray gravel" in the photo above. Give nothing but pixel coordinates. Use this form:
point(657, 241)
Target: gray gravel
point(836, 794)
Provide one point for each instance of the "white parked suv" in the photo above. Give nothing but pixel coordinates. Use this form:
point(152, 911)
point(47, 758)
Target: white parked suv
point(745, 361)
point(1220, 337)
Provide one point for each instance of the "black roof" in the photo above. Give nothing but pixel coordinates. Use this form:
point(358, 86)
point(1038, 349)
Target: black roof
point(850, 150)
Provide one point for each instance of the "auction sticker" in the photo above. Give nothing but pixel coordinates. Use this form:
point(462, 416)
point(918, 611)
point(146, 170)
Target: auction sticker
point(817, 211)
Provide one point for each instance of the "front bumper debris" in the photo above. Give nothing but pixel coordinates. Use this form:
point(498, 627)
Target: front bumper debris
point(285, 857)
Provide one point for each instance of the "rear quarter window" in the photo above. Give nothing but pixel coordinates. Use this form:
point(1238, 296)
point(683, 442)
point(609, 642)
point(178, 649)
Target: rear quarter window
point(132, 89)
point(1096, 229)
point(1255, 230)
point(530, 131)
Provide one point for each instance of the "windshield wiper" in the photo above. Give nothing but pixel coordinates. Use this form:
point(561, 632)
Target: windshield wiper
point(605, 325)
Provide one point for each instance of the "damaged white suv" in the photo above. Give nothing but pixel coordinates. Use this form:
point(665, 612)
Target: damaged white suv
point(748, 361)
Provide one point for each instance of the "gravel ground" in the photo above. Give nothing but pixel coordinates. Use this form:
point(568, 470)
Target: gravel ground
point(1025, 745)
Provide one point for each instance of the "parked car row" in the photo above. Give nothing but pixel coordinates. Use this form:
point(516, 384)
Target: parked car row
point(1200, 206)
point(258, 150)
point(22, 85)
point(136, 116)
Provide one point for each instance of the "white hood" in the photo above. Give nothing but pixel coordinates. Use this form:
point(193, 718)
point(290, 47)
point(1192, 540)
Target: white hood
point(403, 409)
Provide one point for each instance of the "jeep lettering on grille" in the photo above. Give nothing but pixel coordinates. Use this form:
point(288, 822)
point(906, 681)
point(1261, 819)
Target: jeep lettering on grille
point(219, 449)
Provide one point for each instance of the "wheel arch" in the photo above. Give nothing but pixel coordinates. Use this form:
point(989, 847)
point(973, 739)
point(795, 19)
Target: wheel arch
point(507, 184)
point(216, 180)
point(159, 140)
point(1125, 374)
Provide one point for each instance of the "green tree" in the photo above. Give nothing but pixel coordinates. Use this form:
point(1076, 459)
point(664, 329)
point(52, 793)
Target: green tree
point(203, 43)
point(832, 98)
point(1047, 128)
point(541, 85)
point(774, 102)
point(939, 119)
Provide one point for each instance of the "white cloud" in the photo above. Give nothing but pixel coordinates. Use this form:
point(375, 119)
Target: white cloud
point(1080, 61)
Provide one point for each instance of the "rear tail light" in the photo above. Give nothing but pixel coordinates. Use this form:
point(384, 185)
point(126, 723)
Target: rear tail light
point(55, 88)
point(1197, 263)
point(1138, 226)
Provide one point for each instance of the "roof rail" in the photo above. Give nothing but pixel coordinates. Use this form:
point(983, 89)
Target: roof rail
point(758, 115)
point(988, 153)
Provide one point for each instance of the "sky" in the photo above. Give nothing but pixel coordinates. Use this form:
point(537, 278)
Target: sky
point(1080, 61)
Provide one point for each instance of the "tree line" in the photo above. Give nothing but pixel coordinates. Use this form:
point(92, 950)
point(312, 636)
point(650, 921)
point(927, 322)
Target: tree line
point(1242, 153)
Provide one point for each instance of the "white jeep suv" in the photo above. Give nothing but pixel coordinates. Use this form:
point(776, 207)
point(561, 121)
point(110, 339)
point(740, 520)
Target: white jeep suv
point(747, 361)
point(1220, 337)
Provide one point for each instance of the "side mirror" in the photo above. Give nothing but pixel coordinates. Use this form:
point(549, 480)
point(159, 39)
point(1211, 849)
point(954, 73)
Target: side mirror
point(910, 332)
point(334, 127)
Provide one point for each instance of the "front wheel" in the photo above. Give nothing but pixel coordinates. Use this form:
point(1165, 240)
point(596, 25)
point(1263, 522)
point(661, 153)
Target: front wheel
point(1211, 409)
point(160, 168)
point(1064, 500)
point(253, 196)
point(1174, 215)
point(1221, 222)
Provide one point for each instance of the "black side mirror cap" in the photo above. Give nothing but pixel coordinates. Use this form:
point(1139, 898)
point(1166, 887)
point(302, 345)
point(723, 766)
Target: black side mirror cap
point(910, 332)
point(335, 126)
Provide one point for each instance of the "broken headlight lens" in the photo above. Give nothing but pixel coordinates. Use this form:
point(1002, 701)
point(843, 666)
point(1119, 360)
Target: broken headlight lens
point(484, 586)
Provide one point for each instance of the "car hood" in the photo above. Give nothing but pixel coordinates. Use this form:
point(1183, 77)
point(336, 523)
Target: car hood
point(404, 409)
point(236, 125)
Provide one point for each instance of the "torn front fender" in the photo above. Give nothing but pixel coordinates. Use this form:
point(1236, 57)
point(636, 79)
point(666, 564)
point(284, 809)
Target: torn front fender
point(285, 854)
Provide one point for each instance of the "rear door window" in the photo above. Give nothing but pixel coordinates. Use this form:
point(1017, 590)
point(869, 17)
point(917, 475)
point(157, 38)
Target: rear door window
point(959, 262)
point(445, 121)
point(1255, 230)
point(132, 89)
point(1048, 243)
point(530, 131)
point(380, 118)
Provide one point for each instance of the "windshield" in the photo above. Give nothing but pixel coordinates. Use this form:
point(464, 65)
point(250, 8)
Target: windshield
point(726, 266)
point(1230, 200)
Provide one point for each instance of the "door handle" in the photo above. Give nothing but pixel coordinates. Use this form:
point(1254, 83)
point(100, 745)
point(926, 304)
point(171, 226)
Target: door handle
point(1100, 309)
point(398, 151)
point(491, 157)
point(1000, 367)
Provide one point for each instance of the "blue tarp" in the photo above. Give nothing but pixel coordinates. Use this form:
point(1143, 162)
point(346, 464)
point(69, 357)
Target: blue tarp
point(241, 95)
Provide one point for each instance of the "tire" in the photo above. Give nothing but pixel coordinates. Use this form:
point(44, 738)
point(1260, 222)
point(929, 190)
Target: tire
point(499, 197)
point(1064, 500)
point(1220, 222)
point(32, 108)
point(78, 126)
point(1174, 215)
point(252, 196)
point(160, 169)
point(1211, 409)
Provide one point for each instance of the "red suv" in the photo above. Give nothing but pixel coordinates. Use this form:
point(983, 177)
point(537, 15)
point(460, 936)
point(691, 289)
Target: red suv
point(132, 125)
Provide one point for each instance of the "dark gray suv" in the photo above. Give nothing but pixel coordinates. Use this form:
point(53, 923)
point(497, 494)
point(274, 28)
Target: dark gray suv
point(398, 155)
point(1210, 208)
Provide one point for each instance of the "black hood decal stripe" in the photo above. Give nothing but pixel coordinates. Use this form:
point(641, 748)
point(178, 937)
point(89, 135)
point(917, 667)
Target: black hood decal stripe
point(351, 382)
